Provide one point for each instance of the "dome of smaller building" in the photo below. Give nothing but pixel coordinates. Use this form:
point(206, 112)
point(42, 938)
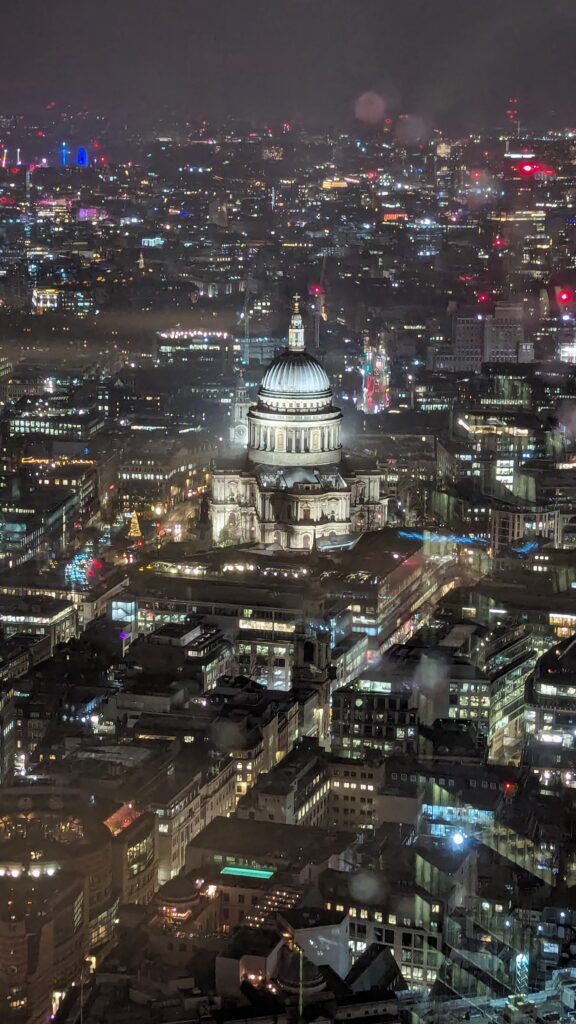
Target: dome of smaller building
point(180, 889)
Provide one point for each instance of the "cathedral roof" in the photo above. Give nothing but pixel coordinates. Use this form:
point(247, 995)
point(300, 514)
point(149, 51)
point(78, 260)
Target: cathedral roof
point(295, 374)
point(285, 478)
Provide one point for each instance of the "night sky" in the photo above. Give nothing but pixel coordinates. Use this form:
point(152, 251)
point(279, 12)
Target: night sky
point(452, 62)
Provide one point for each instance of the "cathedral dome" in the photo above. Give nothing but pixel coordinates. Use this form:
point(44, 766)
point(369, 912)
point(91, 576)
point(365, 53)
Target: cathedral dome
point(295, 375)
point(294, 422)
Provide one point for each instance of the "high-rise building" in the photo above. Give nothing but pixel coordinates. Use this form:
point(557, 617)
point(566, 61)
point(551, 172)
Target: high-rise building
point(504, 335)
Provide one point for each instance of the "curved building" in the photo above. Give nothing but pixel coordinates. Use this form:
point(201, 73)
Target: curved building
point(294, 486)
point(63, 869)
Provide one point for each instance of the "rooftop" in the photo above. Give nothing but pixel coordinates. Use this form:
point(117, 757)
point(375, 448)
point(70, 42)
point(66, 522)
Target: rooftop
point(271, 842)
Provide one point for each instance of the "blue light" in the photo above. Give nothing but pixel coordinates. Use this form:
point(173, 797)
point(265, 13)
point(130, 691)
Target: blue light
point(64, 154)
point(82, 157)
point(526, 548)
point(79, 568)
point(441, 538)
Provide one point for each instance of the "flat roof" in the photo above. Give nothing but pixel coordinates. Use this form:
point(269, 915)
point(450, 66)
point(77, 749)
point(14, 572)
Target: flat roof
point(270, 841)
point(39, 604)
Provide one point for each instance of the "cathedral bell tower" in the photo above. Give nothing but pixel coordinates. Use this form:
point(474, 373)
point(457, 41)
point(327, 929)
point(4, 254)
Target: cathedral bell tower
point(239, 414)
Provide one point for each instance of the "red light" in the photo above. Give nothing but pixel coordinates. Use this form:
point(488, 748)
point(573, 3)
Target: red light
point(528, 168)
point(372, 175)
point(483, 297)
point(508, 787)
point(315, 289)
point(96, 564)
point(498, 243)
point(565, 296)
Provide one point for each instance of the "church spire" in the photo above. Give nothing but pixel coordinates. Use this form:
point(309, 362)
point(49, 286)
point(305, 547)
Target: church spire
point(296, 329)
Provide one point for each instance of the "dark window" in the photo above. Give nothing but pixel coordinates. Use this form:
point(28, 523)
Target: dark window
point(308, 653)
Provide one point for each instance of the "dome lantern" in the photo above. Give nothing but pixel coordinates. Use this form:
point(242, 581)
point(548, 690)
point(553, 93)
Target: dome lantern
point(296, 329)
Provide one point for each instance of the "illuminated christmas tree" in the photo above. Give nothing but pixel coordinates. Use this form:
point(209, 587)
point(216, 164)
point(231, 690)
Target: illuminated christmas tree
point(135, 530)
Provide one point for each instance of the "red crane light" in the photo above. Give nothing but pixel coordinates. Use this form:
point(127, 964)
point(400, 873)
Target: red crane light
point(565, 296)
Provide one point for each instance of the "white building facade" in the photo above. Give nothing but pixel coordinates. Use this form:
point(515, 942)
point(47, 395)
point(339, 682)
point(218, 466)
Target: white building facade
point(293, 486)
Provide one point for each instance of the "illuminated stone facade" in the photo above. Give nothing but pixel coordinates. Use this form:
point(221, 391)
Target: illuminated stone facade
point(293, 487)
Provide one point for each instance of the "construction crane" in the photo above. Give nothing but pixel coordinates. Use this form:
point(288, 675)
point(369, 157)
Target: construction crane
point(317, 291)
point(246, 311)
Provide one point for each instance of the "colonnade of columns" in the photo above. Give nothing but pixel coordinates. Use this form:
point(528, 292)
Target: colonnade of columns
point(269, 438)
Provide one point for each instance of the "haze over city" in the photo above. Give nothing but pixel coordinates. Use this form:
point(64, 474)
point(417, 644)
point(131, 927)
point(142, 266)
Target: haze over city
point(287, 512)
point(450, 63)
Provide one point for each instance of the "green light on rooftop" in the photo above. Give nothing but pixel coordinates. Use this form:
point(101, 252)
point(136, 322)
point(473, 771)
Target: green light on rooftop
point(231, 869)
